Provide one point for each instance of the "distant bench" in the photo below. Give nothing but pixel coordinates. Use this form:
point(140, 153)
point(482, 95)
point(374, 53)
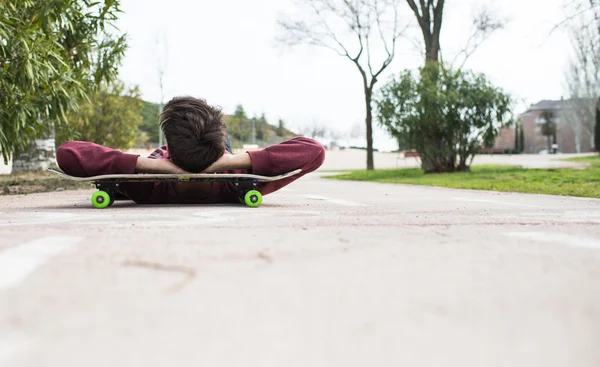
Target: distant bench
point(408, 154)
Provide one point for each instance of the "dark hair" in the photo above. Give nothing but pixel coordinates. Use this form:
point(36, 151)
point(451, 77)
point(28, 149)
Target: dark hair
point(195, 132)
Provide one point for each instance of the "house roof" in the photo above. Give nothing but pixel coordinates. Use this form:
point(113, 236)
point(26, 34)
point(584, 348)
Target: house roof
point(545, 105)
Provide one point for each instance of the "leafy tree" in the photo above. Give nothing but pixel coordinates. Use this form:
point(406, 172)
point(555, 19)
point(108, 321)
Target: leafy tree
point(549, 127)
point(517, 138)
point(446, 115)
point(111, 117)
point(261, 128)
point(522, 140)
point(150, 113)
point(352, 29)
point(52, 53)
point(280, 127)
point(239, 125)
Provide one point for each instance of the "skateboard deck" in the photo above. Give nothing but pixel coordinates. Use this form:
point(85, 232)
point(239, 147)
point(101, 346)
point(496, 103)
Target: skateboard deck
point(108, 184)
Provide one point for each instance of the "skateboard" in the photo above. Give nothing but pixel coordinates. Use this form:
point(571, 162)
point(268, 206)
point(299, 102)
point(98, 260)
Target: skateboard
point(108, 185)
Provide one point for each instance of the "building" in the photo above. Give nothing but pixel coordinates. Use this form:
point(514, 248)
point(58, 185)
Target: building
point(575, 120)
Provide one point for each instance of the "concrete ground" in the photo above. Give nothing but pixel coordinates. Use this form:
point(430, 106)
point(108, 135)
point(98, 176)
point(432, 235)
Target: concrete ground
point(325, 273)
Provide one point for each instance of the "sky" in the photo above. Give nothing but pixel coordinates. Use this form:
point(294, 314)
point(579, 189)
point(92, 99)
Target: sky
point(225, 51)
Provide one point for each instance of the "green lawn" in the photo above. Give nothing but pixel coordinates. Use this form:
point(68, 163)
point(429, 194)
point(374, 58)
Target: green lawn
point(571, 182)
point(32, 182)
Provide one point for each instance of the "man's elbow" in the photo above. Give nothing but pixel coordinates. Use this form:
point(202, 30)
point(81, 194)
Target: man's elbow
point(67, 160)
point(315, 155)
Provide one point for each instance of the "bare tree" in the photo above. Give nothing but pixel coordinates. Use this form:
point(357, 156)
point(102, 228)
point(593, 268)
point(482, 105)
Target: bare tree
point(314, 131)
point(583, 74)
point(335, 137)
point(430, 13)
point(353, 29)
point(483, 25)
point(162, 61)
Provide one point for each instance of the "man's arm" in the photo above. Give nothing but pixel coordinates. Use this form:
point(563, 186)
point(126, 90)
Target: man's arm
point(84, 159)
point(297, 153)
point(229, 162)
point(152, 165)
point(304, 153)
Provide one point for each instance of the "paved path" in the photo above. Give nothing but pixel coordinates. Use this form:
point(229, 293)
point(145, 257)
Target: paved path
point(325, 273)
point(356, 159)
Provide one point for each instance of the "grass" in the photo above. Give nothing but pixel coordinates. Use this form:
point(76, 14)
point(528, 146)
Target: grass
point(563, 181)
point(593, 159)
point(32, 182)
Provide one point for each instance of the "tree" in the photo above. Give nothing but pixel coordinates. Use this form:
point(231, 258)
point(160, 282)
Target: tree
point(150, 114)
point(517, 138)
point(583, 73)
point(332, 24)
point(446, 115)
point(597, 134)
point(239, 126)
point(549, 127)
point(280, 127)
point(52, 53)
point(315, 131)
point(522, 139)
point(429, 15)
point(111, 117)
point(162, 61)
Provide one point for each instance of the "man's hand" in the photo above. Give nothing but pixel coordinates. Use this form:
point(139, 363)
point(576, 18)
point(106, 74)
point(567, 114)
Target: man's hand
point(230, 162)
point(159, 166)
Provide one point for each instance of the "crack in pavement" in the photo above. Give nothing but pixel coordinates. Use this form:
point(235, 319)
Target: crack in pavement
point(190, 273)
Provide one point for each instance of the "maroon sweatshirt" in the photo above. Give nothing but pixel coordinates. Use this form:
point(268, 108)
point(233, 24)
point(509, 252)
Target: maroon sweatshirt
point(84, 159)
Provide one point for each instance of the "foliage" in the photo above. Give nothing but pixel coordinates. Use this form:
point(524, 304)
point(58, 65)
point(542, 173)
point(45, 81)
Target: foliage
point(150, 112)
point(522, 140)
point(239, 128)
point(564, 181)
point(111, 118)
point(446, 115)
point(519, 138)
point(549, 127)
point(52, 53)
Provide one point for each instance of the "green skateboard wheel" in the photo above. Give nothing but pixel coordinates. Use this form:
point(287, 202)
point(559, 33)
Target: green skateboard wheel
point(253, 198)
point(101, 199)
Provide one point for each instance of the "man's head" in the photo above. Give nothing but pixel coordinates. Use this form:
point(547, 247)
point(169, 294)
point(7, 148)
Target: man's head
point(195, 132)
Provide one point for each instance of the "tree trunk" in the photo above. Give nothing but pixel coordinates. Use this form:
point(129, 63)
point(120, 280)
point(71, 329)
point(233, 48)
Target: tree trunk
point(597, 133)
point(40, 155)
point(429, 17)
point(369, 122)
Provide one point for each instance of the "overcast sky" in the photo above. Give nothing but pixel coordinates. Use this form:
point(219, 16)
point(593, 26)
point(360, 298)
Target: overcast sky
point(225, 51)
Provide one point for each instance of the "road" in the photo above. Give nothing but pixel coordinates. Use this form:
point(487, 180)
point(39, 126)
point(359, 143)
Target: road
point(325, 273)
